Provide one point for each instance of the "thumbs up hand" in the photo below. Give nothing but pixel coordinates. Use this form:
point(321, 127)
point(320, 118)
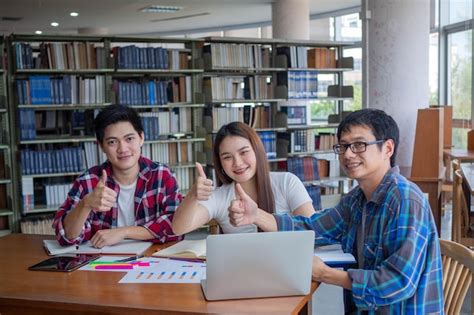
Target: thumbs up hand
point(102, 198)
point(202, 188)
point(242, 210)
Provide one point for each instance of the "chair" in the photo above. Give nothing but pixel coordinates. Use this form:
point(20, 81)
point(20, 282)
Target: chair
point(214, 227)
point(461, 229)
point(458, 269)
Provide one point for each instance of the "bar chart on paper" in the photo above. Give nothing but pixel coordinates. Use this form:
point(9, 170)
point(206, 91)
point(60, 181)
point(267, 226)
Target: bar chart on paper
point(167, 271)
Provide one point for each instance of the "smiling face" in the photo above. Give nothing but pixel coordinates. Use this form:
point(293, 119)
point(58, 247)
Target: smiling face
point(368, 167)
point(122, 145)
point(238, 158)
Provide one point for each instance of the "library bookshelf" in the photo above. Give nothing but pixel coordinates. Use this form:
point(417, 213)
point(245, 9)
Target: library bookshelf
point(269, 84)
point(58, 84)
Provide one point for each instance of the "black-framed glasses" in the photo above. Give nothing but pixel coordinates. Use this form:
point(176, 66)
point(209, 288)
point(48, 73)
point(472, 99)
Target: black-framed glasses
point(356, 147)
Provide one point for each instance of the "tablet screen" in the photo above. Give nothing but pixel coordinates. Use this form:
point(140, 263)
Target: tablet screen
point(63, 263)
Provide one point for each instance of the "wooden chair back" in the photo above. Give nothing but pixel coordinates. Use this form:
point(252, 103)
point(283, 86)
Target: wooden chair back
point(458, 269)
point(460, 220)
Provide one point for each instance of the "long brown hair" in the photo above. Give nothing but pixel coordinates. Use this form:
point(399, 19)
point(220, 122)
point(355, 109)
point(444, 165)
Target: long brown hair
point(266, 200)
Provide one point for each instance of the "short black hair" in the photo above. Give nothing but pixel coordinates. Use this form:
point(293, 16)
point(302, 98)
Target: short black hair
point(113, 114)
point(383, 126)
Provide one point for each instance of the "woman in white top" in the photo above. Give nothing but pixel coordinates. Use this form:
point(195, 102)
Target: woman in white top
point(242, 169)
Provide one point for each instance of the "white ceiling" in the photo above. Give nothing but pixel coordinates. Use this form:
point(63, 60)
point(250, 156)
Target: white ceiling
point(123, 17)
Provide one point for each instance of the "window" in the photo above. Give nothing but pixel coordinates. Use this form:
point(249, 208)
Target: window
point(354, 78)
point(460, 84)
point(433, 69)
point(459, 10)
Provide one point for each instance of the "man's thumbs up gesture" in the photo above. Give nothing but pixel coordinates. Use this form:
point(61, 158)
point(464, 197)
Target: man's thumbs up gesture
point(102, 198)
point(242, 210)
point(202, 188)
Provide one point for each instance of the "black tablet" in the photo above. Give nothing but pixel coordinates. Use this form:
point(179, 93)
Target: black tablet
point(63, 263)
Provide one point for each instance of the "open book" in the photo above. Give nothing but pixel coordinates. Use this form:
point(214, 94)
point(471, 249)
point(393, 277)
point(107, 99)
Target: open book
point(126, 247)
point(333, 256)
point(185, 249)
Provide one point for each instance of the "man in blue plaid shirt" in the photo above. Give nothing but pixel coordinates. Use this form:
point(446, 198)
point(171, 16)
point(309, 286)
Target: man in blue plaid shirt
point(385, 222)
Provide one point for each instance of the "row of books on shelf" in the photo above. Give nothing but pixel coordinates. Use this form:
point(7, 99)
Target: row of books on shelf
point(268, 139)
point(157, 124)
point(184, 178)
point(302, 57)
point(230, 55)
point(237, 87)
point(305, 140)
point(153, 91)
point(134, 57)
point(254, 116)
point(66, 89)
point(306, 168)
point(311, 168)
point(300, 84)
point(37, 225)
point(63, 160)
point(296, 114)
point(61, 56)
point(55, 194)
point(169, 153)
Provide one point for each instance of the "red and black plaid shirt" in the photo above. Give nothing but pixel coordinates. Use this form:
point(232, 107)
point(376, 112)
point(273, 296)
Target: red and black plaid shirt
point(156, 198)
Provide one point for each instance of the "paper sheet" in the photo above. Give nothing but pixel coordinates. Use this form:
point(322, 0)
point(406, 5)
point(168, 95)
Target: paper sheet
point(164, 270)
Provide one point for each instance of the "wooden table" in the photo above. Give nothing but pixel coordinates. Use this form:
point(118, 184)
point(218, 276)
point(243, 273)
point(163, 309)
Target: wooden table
point(462, 155)
point(88, 292)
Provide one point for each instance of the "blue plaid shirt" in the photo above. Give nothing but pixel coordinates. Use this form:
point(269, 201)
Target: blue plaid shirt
point(402, 263)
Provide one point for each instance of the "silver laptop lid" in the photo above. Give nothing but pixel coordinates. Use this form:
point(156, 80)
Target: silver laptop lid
point(250, 265)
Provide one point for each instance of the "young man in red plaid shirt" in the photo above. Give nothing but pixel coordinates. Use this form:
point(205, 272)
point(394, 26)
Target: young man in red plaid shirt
point(127, 197)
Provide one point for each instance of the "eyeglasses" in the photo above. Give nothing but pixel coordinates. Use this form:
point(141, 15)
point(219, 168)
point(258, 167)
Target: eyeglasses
point(356, 147)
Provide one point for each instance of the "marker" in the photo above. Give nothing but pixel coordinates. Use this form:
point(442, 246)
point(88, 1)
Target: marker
point(139, 275)
point(161, 274)
point(193, 275)
point(187, 266)
point(105, 267)
point(150, 275)
point(172, 274)
point(182, 275)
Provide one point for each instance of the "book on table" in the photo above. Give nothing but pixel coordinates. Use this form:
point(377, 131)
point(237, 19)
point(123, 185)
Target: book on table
point(126, 247)
point(333, 256)
point(188, 249)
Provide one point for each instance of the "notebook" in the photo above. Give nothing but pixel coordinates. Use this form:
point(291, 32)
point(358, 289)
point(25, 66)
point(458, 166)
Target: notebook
point(252, 265)
point(126, 247)
point(185, 249)
point(333, 256)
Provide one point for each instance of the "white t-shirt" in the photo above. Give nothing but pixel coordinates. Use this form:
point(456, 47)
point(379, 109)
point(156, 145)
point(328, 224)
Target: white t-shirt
point(288, 190)
point(126, 209)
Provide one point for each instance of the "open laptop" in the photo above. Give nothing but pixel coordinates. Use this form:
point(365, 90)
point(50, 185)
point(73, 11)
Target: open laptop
point(252, 265)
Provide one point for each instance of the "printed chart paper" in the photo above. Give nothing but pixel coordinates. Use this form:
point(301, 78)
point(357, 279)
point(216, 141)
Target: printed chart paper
point(162, 270)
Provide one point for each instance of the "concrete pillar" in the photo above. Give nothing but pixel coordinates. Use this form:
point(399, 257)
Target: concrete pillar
point(93, 31)
point(290, 19)
point(395, 63)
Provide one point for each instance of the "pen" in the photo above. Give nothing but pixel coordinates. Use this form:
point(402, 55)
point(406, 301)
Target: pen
point(193, 275)
point(171, 275)
point(130, 258)
point(186, 259)
point(161, 274)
